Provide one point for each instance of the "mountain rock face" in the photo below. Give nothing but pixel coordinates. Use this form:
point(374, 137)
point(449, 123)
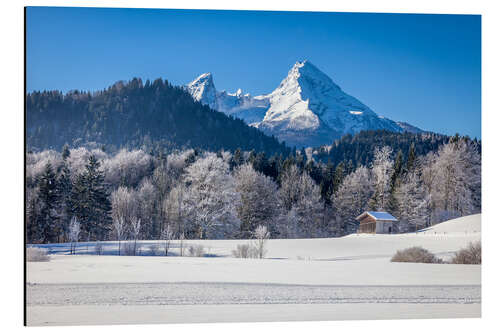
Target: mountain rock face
point(243, 106)
point(307, 109)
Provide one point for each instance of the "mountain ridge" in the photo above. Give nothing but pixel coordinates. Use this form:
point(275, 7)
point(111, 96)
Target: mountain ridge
point(306, 109)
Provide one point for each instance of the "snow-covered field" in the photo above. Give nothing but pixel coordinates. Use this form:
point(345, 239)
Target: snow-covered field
point(301, 279)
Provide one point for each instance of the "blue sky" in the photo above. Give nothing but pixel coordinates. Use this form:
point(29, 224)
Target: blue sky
point(423, 69)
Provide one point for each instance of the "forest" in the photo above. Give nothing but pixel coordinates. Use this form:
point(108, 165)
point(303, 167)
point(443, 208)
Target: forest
point(154, 116)
point(94, 194)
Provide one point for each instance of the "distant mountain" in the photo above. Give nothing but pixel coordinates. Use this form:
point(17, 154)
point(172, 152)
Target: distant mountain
point(243, 106)
point(307, 109)
point(131, 114)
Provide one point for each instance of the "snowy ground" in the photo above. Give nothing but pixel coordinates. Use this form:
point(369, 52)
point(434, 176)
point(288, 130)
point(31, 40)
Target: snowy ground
point(303, 279)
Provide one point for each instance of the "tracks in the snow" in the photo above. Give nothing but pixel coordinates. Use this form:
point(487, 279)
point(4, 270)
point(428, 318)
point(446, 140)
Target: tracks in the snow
point(191, 293)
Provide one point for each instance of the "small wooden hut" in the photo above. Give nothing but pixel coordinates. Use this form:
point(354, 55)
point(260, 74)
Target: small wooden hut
point(376, 223)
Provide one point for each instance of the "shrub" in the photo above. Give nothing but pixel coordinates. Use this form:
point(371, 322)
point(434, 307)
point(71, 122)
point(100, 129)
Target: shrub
point(36, 254)
point(245, 251)
point(196, 250)
point(416, 254)
point(471, 255)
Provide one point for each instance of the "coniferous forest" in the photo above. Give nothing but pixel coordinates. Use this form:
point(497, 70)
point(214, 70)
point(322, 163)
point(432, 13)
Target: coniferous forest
point(153, 116)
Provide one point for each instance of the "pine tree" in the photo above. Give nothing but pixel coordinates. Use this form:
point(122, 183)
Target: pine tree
point(350, 167)
point(410, 163)
point(338, 177)
point(237, 159)
point(327, 182)
point(397, 173)
point(48, 223)
point(65, 152)
point(89, 201)
point(64, 186)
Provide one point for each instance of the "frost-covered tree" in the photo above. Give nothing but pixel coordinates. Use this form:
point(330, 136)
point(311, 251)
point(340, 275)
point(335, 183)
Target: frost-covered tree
point(457, 179)
point(167, 175)
point(259, 204)
point(74, 233)
point(211, 198)
point(287, 224)
point(146, 203)
point(36, 163)
point(136, 230)
point(309, 208)
point(167, 236)
point(353, 195)
point(127, 168)
point(300, 193)
point(261, 235)
point(382, 169)
point(119, 229)
point(289, 191)
point(175, 210)
point(427, 170)
point(79, 157)
point(124, 205)
point(412, 203)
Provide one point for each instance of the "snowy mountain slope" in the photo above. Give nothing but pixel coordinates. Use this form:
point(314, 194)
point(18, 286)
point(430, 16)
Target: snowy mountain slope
point(409, 128)
point(203, 90)
point(310, 106)
point(248, 108)
point(307, 108)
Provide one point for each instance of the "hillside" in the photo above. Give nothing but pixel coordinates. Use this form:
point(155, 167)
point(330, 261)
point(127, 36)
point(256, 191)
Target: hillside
point(470, 224)
point(154, 115)
point(359, 148)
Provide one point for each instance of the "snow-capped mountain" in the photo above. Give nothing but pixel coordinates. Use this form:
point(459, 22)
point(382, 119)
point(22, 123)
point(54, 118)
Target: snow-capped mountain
point(248, 108)
point(307, 109)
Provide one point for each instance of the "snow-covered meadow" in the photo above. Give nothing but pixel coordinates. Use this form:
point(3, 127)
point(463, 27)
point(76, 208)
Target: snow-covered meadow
point(300, 279)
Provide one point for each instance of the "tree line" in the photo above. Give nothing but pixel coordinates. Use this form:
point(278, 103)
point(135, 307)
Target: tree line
point(200, 194)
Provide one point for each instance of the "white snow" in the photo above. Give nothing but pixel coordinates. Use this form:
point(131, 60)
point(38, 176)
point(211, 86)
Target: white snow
point(161, 314)
point(297, 271)
point(463, 225)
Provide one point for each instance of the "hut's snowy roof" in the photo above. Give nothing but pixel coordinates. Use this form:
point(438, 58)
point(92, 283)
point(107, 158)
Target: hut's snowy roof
point(383, 216)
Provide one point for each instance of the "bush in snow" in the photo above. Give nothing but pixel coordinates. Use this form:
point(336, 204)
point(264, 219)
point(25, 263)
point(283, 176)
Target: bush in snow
point(471, 255)
point(261, 236)
point(416, 254)
point(196, 251)
point(245, 251)
point(36, 254)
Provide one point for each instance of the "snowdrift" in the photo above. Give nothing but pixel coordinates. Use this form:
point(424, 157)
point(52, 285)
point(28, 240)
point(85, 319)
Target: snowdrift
point(465, 225)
